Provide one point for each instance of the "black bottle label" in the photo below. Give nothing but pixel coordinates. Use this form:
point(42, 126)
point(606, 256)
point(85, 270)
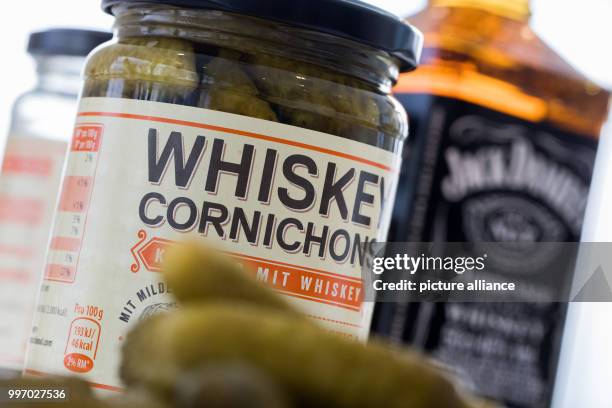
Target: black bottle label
point(474, 174)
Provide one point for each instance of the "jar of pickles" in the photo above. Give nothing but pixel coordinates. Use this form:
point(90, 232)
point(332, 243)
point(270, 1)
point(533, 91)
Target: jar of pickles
point(265, 128)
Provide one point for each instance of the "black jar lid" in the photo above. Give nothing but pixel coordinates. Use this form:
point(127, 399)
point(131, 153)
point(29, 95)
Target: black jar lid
point(66, 41)
point(350, 19)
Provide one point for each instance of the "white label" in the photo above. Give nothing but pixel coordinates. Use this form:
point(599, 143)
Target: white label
point(29, 184)
point(296, 205)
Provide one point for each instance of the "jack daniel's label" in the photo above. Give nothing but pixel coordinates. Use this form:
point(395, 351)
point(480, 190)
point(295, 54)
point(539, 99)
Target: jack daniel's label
point(473, 174)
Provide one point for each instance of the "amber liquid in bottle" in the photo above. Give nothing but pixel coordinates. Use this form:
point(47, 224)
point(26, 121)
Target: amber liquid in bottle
point(488, 93)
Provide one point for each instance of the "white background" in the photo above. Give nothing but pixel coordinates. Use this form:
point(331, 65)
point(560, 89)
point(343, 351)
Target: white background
point(581, 31)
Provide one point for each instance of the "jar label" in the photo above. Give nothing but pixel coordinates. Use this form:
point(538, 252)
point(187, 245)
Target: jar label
point(298, 206)
point(30, 179)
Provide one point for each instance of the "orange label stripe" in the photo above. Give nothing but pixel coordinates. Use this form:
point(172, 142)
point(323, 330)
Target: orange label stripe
point(319, 271)
point(293, 280)
point(65, 244)
point(34, 166)
point(240, 133)
point(304, 284)
point(333, 321)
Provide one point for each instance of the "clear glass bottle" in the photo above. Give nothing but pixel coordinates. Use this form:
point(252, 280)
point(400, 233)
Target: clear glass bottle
point(490, 93)
point(41, 124)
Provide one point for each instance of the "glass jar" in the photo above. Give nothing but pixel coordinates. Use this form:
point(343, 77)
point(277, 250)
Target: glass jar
point(266, 129)
point(38, 139)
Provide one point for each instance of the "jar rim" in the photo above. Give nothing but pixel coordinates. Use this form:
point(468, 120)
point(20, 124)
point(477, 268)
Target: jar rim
point(349, 19)
point(66, 41)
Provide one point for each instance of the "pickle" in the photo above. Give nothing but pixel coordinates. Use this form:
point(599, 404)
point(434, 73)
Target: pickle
point(316, 99)
point(316, 368)
point(322, 100)
point(147, 68)
point(232, 91)
point(231, 385)
point(196, 273)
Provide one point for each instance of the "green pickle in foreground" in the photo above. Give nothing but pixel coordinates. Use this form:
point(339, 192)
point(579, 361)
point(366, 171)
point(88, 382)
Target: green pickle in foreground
point(269, 132)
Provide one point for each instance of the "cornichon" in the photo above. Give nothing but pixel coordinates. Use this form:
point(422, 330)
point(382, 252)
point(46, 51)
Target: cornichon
point(232, 91)
point(232, 385)
point(196, 274)
point(147, 68)
point(317, 368)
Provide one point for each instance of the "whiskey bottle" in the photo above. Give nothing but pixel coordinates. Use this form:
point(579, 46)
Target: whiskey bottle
point(503, 140)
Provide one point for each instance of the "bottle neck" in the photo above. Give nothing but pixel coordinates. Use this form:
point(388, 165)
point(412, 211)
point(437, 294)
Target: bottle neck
point(59, 74)
point(513, 9)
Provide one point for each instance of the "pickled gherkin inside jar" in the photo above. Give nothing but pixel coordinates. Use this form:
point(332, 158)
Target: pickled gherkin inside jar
point(253, 67)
